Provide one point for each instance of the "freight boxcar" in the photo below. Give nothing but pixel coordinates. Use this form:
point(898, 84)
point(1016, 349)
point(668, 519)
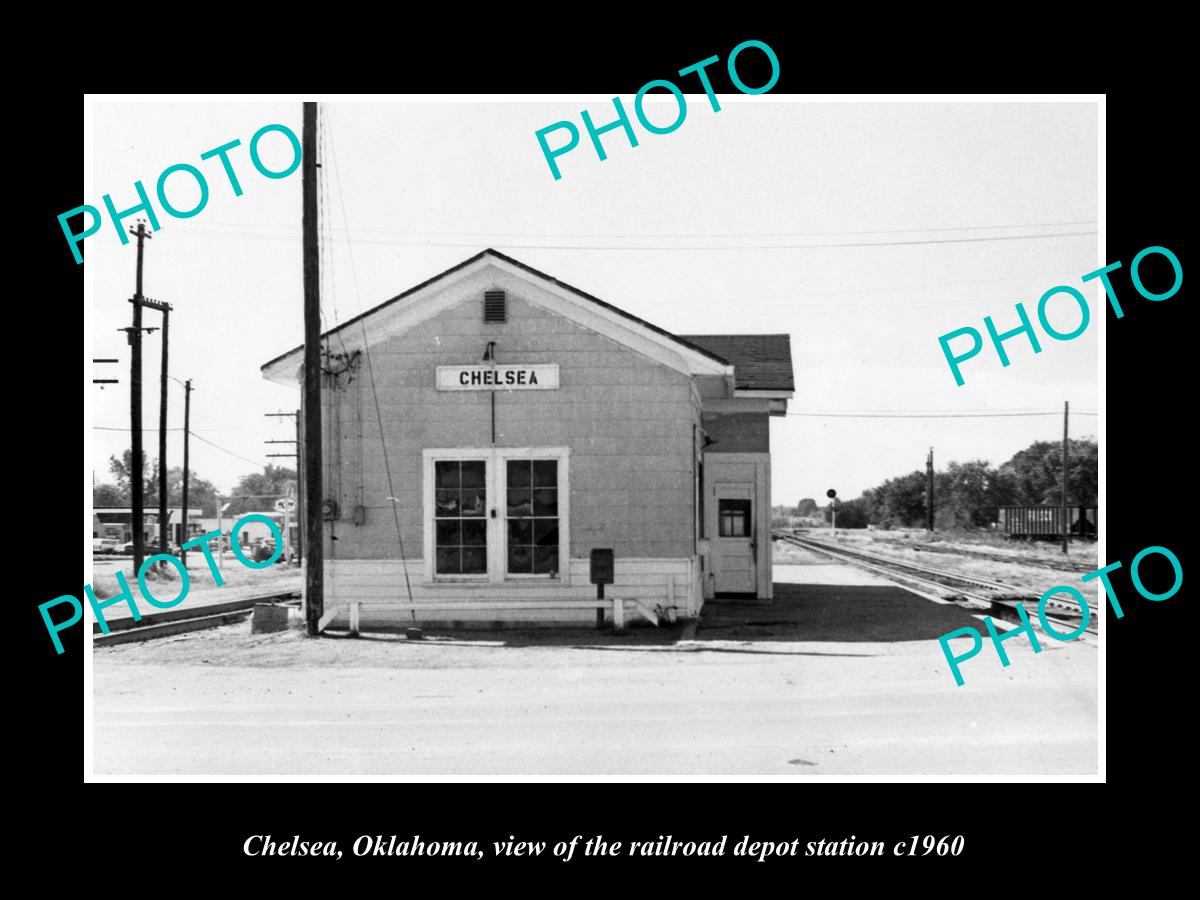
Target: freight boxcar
point(1046, 521)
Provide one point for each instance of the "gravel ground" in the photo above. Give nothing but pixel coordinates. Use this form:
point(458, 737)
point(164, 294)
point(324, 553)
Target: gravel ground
point(843, 678)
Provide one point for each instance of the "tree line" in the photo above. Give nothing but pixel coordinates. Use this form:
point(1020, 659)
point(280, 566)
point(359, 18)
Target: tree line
point(968, 495)
point(255, 492)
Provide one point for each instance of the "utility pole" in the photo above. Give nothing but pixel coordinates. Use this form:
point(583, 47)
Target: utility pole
point(1066, 524)
point(287, 538)
point(297, 456)
point(220, 533)
point(929, 491)
point(300, 520)
point(187, 416)
point(136, 486)
point(314, 594)
point(165, 309)
point(164, 528)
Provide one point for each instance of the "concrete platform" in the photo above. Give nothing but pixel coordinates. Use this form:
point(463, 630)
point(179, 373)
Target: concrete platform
point(833, 603)
point(824, 573)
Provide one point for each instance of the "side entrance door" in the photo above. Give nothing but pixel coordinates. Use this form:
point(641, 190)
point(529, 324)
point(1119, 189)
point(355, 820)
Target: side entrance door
point(735, 551)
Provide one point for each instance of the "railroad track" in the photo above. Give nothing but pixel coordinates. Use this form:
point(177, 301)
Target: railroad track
point(182, 621)
point(984, 556)
point(975, 593)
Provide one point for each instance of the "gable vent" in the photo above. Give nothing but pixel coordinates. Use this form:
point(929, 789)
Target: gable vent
point(495, 308)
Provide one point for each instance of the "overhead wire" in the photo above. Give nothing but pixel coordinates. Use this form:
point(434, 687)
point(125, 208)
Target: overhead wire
point(194, 434)
point(370, 369)
point(660, 235)
point(255, 462)
point(151, 428)
point(960, 415)
point(646, 247)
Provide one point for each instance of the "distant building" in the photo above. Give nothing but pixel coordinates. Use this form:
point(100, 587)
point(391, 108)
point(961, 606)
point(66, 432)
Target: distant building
point(116, 523)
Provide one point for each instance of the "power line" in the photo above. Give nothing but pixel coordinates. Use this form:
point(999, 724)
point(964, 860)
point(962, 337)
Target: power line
point(116, 428)
point(198, 437)
point(614, 247)
point(107, 428)
point(230, 452)
point(820, 295)
point(370, 368)
point(982, 409)
point(711, 235)
point(929, 415)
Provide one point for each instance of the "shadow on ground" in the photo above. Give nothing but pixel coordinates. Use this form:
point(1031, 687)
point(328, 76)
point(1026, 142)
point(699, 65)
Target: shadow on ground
point(841, 613)
point(809, 613)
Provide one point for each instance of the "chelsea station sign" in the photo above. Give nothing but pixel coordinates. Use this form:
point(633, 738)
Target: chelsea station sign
point(540, 376)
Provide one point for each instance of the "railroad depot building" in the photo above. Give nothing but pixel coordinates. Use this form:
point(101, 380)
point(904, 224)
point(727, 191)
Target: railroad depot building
point(527, 423)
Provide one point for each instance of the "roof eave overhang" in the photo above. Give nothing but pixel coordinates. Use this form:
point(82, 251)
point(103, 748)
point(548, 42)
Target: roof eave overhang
point(587, 311)
point(773, 395)
point(285, 370)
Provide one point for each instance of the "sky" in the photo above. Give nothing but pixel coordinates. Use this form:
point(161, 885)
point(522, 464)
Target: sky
point(723, 226)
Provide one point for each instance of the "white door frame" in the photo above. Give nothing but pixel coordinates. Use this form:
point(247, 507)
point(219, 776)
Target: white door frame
point(497, 524)
point(740, 547)
point(741, 467)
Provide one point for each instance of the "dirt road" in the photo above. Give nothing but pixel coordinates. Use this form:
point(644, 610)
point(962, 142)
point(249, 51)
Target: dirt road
point(842, 675)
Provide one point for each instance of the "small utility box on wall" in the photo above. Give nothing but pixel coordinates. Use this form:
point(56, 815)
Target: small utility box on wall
point(601, 571)
point(602, 568)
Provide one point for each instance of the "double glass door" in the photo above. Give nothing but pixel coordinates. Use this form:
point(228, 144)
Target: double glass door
point(497, 516)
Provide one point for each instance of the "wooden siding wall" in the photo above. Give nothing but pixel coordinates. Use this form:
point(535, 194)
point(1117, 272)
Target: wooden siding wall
point(654, 582)
point(626, 419)
point(738, 432)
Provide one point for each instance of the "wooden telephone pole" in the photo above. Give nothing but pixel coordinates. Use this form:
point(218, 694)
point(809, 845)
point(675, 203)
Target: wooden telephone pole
point(299, 458)
point(187, 416)
point(314, 582)
point(929, 491)
point(164, 528)
point(1066, 523)
point(136, 485)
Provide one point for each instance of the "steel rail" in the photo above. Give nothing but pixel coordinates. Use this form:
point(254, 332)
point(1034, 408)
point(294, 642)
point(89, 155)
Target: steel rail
point(897, 569)
point(182, 621)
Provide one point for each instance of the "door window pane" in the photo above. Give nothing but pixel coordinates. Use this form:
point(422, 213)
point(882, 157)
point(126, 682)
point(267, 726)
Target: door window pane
point(545, 560)
point(474, 533)
point(449, 559)
point(532, 511)
point(520, 559)
point(447, 474)
point(474, 473)
point(545, 502)
point(733, 518)
point(449, 532)
point(460, 526)
point(474, 559)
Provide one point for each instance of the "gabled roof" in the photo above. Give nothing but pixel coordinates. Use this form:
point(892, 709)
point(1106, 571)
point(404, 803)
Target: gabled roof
point(662, 332)
point(758, 362)
point(762, 362)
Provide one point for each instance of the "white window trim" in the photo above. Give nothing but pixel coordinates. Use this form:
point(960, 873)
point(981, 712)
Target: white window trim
point(497, 524)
